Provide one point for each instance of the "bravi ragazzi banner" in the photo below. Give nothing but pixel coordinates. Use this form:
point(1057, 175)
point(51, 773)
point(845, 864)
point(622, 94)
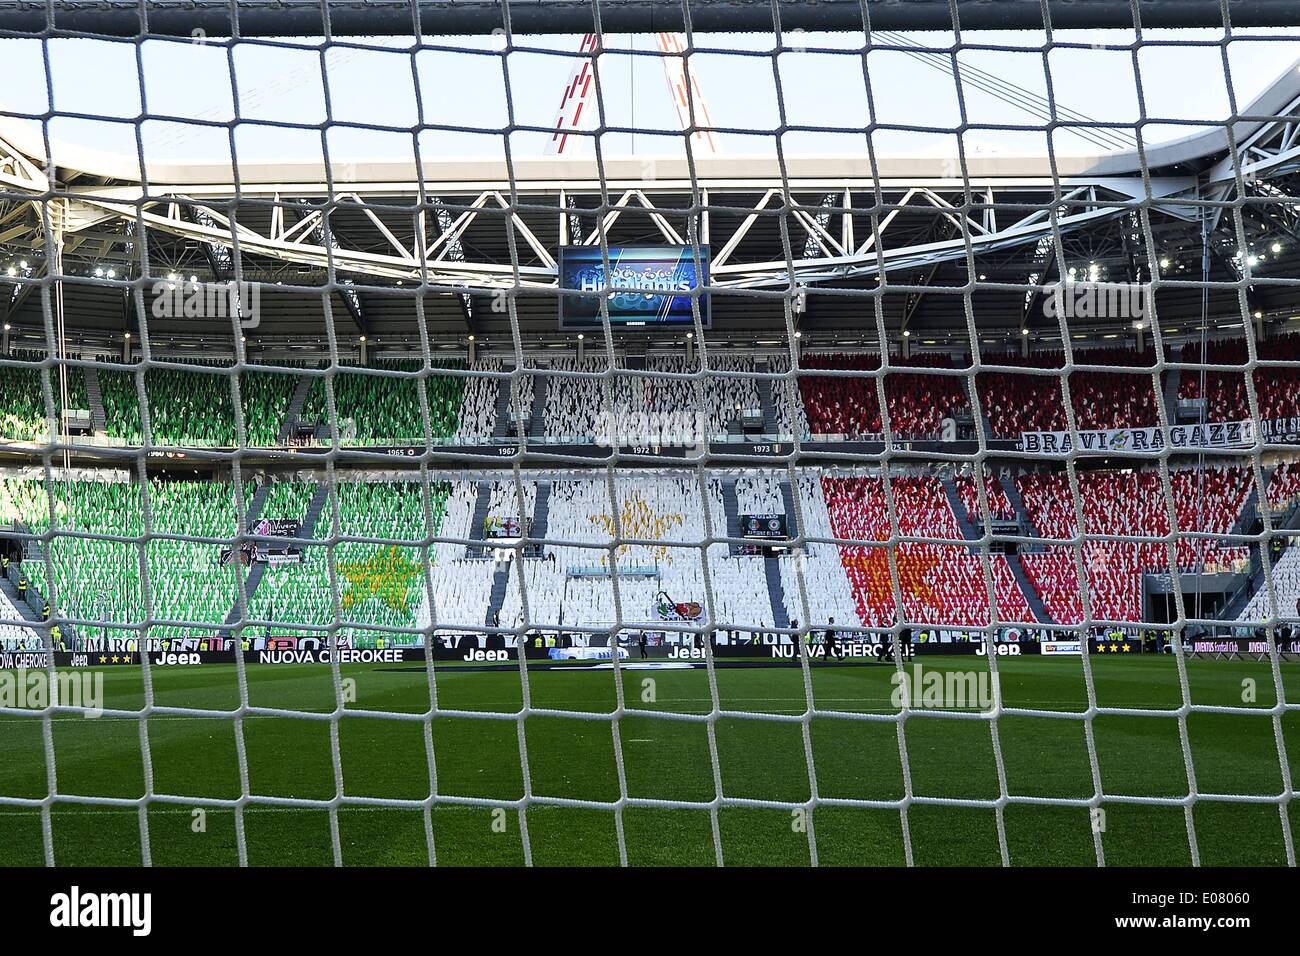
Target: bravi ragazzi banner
point(1107, 441)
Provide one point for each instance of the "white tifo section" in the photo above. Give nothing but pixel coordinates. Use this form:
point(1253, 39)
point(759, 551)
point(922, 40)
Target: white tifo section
point(13, 635)
point(661, 508)
point(574, 406)
point(759, 495)
point(1286, 585)
point(829, 593)
point(787, 403)
point(459, 584)
point(478, 408)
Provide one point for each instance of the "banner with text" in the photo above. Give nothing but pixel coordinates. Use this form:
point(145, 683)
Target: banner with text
point(1110, 441)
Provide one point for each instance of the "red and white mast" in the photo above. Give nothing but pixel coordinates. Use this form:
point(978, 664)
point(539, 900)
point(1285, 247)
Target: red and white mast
point(578, 107)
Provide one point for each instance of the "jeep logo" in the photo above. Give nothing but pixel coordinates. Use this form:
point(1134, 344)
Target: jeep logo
point(173, 659)
point(477, 655)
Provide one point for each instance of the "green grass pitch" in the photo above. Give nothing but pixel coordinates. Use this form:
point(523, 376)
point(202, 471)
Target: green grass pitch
point(663, 759)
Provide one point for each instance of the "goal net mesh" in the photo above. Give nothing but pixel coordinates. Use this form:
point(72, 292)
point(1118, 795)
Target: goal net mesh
point(908, 451)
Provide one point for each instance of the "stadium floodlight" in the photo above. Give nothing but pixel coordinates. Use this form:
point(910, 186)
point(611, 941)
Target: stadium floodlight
point(850, 489)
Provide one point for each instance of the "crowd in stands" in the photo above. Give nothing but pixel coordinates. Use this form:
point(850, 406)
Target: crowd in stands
point(939, 583)
point(1126, 504)
point(850, 404)
point(1020, 403)
point(23, 416)
point(1277, 388)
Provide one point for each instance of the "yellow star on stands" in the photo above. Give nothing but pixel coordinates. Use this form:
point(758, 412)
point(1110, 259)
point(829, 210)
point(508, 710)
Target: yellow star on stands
point(385, 575)
point(103, 659)
point(114, 658)
point(1124, 648)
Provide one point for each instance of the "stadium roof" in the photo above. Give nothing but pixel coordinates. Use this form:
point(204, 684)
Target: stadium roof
point(364, 223)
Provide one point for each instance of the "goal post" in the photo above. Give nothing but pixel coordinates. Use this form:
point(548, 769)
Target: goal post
point(274, 18)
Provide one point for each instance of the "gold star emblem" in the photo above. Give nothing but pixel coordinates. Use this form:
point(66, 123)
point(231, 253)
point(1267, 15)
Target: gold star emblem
point(1125, 648)
point(638, 520)
point(385, 575)
point(103, 659)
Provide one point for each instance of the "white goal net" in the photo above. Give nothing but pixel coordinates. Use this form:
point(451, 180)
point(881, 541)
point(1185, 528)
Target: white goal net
point(527, 339)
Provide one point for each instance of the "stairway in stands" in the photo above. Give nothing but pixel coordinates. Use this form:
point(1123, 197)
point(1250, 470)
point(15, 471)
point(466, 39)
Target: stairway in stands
point(1022, 513)
point(95, 398)
point(290, 423)
point(501, 428)
point(766, 400)
point(30, 609)
point(772, 566)
point(1032, 596)
point(1173, 384)
point(731, 508)
point(537, 426)
point(482, 502)
point(23, 607)
point(497, 596)
point(971, 533)
point(541, 510)
point(319, 499)
point(968, 530)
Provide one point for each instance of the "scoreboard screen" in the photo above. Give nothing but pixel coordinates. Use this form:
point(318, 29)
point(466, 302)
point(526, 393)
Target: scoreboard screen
point(651, 285)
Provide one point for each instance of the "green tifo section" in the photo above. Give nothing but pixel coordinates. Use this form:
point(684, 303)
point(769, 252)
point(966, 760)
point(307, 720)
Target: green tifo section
point(658, 759)
point(386, 408)
point(22, 417)
point(101, 580)
point(375, 584)
point(196, 408)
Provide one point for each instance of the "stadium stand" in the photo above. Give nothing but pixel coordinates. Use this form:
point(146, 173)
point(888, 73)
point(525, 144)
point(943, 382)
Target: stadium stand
point(195, 409)
point(1000, 506)
point(1277, 389)
point(1019, 403)
point(850, 406)
point(940, 584)
point(826, 586)
point(1286, 584)
point(1128, 504)
point(575, 589)
point(385, 409)
point(788, 411)
point(574, 406)
point(14, 636)
point(375, 583)
point(23, 416)
point(1284, 486)
point(102, 580)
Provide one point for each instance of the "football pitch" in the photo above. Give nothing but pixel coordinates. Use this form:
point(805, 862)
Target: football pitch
point(197, 758)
